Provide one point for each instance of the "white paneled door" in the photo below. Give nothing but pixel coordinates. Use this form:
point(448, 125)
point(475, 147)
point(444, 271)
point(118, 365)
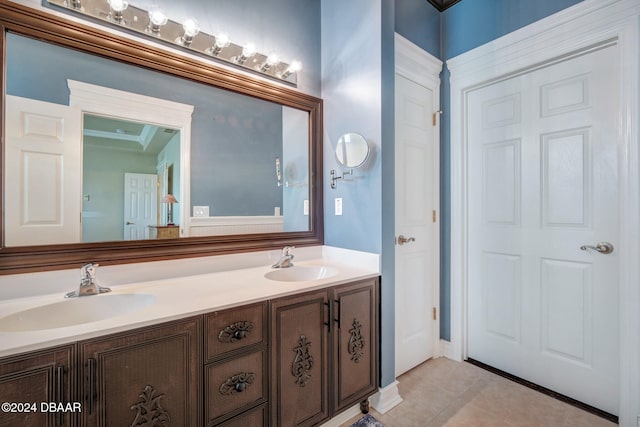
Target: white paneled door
point(542, 182)
point(416, 169)
point(42, 173)
point(140, 204)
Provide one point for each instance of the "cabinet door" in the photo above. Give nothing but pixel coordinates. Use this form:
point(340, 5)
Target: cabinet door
point(299, 360)
point(354, 346)
point(39, 378)
point(145, 377)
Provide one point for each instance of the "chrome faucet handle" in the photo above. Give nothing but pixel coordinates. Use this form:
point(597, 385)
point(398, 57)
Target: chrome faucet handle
point(286, 251)
point(88, 272)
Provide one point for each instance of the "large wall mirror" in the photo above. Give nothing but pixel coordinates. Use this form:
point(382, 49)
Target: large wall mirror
point(117, 152)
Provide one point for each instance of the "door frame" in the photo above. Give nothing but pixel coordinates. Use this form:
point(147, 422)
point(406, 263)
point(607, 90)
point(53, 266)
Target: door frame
point(572, 31)
point(417, 65)
point(103, 101)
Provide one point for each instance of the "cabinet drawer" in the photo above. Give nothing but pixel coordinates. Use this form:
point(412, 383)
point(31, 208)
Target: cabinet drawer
point(235, 384)
point(229, 330)
point(254, 418)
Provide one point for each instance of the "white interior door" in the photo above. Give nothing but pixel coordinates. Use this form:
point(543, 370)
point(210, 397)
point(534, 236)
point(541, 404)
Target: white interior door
point(140, 204)
point(42, 173)
point(542, 182)
point(416, 170)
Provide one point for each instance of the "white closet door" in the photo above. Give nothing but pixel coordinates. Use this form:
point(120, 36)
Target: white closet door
point(542, 183)
point(42, 173)
point(416, 180)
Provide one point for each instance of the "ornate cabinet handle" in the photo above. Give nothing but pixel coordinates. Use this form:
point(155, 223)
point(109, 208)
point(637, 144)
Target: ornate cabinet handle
point(237, 383)
point(235, 332)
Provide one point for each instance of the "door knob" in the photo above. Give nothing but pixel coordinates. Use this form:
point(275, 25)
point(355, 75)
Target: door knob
point(131, 223)
point(402, 240)
point(602, 247)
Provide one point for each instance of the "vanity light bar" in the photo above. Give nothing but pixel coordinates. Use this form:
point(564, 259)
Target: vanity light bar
point(184, 35)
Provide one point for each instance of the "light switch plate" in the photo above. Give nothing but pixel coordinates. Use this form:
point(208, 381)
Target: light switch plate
point(200, 211)
point(338, 205)
point(306, 207)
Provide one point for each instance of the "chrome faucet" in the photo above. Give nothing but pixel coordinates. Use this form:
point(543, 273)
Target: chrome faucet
point(285, 258)
point(88, 283)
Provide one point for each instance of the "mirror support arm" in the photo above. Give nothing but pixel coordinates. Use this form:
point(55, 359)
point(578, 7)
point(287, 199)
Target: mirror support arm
point(335, 178)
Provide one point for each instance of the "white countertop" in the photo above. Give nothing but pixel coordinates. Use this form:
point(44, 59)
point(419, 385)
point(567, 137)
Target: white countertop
point(181, 288)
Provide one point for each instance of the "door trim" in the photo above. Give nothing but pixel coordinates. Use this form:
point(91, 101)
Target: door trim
point(571, 31)
point(417, 65)
point(109, 102)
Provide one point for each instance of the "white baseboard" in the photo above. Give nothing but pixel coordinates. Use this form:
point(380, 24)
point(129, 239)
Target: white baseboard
point(446, 350)
point(386, 398)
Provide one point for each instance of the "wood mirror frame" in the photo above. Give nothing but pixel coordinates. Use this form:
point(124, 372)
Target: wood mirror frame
point(43, 26)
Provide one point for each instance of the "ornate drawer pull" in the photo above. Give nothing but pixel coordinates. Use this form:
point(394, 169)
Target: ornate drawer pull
point(237, 383)
point(235, 332)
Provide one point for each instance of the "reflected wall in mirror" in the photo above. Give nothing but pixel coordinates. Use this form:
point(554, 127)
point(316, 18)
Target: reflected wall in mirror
point(236, 164)
point(201, 183)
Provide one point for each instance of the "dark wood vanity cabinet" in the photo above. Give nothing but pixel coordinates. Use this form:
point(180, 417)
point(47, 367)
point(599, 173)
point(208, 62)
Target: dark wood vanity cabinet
point(148, 376)
point(29, 381)
point(323, 352)
point(292, 361)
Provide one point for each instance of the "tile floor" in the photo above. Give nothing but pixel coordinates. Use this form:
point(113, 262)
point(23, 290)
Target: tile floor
point(442, 392)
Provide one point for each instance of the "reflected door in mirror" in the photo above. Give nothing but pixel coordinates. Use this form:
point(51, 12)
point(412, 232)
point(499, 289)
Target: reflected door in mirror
point(42, 173)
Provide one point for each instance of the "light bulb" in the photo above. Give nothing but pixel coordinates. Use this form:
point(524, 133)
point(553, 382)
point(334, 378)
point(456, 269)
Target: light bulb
point(117, 5)
point(249, 50)
point(157, 18)
point(117, 9)
point(294, 67)
point(272, 59)
point(222, 40)
point(191, 28)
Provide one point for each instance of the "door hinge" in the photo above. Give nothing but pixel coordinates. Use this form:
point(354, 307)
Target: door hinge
point(434, 117)
point(434, 314)
point(433, 216)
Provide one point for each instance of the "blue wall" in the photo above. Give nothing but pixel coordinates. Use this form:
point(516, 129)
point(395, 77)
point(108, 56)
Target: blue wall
point(351, 58)
point(471, 23)
point(418, 21)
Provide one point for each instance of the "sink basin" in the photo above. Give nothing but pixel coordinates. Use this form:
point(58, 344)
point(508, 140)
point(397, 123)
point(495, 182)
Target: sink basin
point(301, 273)
point(76, 311)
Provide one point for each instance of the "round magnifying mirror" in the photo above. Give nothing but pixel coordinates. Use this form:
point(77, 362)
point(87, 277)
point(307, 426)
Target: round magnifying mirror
point(352, 150)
